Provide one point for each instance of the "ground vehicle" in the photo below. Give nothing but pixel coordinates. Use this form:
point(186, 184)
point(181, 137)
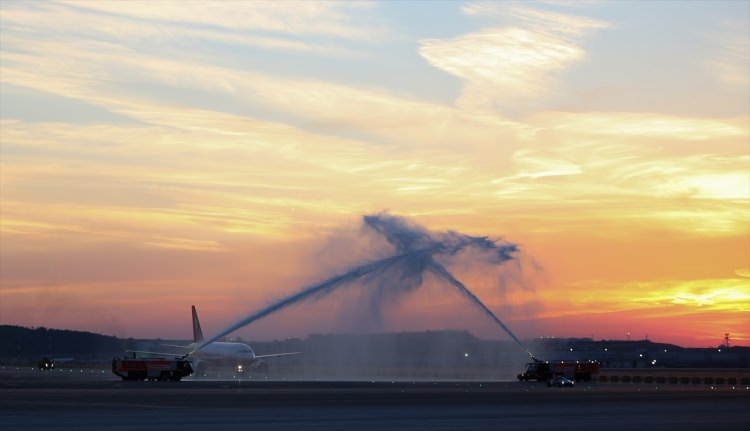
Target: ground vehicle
point(560, 381)
point(151, 368)
point(46, 364)
point(575, 370)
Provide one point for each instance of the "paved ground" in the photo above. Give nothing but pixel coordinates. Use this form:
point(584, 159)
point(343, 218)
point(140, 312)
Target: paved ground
point(93, 400)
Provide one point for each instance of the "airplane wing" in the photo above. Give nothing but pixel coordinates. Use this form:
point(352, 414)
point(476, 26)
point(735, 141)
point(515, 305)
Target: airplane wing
point(276, 354)
point(145, 352)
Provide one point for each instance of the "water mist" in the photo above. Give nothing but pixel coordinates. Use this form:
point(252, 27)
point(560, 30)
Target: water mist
point(416, 252)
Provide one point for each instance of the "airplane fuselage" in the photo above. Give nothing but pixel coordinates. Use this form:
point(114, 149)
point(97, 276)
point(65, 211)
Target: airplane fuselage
point(225, 352)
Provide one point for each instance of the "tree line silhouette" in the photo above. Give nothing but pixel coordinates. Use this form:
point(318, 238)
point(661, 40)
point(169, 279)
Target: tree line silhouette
point(21, 342)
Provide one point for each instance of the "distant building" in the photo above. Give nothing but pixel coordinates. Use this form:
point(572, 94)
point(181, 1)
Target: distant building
point(642, 353)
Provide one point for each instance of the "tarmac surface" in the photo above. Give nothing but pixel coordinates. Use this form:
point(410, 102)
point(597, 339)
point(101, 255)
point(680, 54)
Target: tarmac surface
point(96, 399)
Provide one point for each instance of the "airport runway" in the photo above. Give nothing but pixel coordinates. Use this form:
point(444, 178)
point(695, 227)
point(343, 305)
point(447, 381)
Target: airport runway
point(33, 400)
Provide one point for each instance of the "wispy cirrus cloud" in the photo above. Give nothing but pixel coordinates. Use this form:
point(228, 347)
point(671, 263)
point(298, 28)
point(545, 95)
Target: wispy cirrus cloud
point(195, 29)
point(731, 61)
point(111, 76)
point(505, 64)
point(644, 125)
point(328, 18)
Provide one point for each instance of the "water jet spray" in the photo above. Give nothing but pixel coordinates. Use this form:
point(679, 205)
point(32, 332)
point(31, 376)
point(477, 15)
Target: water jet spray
point(415, 251)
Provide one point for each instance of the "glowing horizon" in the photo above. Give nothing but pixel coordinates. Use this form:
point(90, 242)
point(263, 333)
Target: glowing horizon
point(157, 155)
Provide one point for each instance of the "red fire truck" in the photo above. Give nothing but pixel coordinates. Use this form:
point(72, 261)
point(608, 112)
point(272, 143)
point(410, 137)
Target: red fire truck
point(152, 368)
point(575, 370)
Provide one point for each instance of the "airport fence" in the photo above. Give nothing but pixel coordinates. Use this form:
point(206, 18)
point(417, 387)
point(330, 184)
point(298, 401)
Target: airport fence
point(677, 376)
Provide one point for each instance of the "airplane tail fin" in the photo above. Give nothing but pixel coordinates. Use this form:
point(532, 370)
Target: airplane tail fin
point(197, 332)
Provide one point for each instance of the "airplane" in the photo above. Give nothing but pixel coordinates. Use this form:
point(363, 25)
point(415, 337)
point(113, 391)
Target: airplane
point(225, 353)
point(239, 356)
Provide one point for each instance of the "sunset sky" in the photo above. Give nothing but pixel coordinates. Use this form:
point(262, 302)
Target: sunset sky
point(156, 155)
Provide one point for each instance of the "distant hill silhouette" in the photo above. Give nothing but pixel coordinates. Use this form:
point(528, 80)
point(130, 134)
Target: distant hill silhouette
point(21, 342)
